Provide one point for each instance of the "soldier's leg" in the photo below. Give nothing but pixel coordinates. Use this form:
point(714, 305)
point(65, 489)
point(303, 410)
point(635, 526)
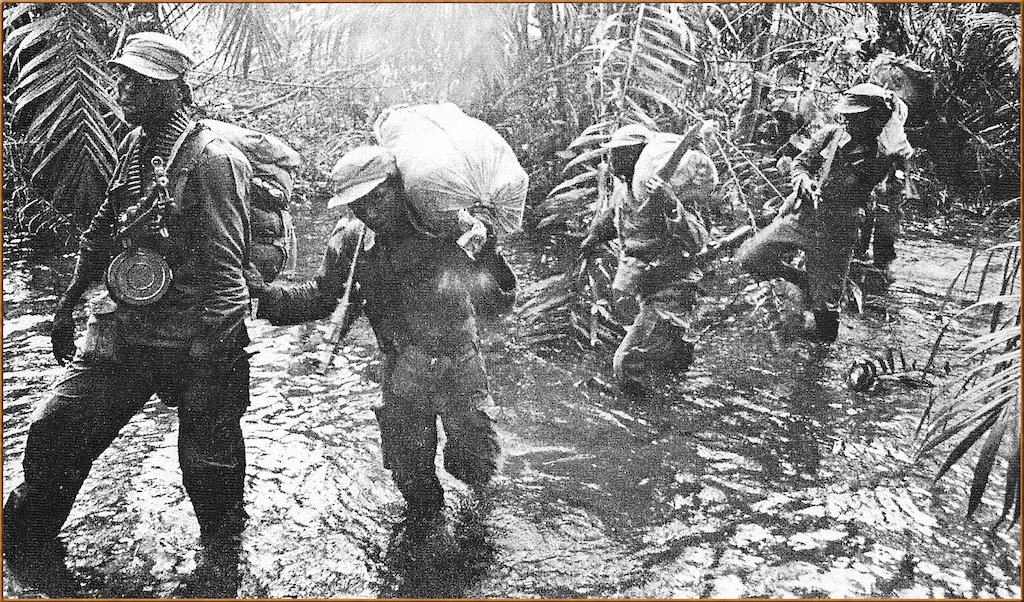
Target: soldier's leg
point(408, 432)
point(90, 404)
point(887, 229)
point(765, 255)
point(211, 451)
point(828, 265)
point(868, 232)
point(468, 412)
point(626, 364)
point(661, 335)
point(673, 339)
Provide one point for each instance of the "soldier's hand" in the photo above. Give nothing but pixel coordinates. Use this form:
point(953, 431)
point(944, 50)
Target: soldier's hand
point(62, 337)
point(653, 184)
point(804, 185)
point(258, 287)
point(474, 236)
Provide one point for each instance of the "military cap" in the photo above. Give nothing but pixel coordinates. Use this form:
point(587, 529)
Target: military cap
point(864, 97)
point(629, 135)
point(361, 170)
point(155, 55)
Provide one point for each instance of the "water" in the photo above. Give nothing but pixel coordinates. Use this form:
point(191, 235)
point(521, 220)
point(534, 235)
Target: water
point(760, 474)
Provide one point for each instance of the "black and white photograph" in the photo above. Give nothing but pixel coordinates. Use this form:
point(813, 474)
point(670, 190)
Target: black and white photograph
point(511, 300)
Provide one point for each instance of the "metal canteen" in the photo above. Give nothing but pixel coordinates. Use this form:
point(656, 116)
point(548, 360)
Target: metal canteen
point(138, 277)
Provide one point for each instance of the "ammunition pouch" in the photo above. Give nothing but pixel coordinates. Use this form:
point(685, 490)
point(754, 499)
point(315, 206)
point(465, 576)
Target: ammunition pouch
point(103, 333)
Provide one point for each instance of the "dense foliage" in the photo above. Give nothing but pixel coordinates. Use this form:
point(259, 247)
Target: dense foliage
point(555, 79)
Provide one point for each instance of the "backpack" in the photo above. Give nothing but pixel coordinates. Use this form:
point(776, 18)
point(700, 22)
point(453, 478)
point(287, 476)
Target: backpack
point(270, 192)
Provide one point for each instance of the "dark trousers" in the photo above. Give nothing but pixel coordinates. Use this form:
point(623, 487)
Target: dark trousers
point(418, 386)
point(829, 249)
point(90, 405)
point(880, 232)
point(661, 335)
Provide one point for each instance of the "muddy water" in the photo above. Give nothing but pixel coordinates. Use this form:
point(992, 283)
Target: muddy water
point(760, 474)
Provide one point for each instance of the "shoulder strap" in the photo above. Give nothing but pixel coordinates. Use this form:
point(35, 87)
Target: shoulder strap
point(184, 156)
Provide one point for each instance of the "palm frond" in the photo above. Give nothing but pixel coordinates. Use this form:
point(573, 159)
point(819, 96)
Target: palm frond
point(983, 401)
point(62, 91)
point(248, 34)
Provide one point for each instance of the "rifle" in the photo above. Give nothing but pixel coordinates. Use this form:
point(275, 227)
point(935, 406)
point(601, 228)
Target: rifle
point(340, 315)
point(729, 241)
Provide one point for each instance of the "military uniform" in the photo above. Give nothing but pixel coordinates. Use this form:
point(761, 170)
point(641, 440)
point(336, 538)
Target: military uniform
point(414, 290)
point(186, 347)
point(828, 233)
point(659, 233)
point(421, 293)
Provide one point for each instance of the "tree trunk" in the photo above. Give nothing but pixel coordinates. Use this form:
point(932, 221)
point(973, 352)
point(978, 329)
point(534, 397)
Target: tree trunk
point(759, 83)
point(891, 32)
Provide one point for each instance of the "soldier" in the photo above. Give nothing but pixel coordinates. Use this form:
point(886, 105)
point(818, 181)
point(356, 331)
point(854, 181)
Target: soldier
point(914, 86)
point(421, 294)
point(173, 324)
point(661, 230)
point(833, 180)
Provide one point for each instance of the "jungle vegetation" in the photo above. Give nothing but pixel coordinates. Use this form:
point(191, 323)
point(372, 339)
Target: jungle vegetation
point(555, 80)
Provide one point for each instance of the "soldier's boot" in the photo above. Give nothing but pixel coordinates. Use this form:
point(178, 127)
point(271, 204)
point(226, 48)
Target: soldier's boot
point(39, 565)
point(216, 574)
point(424, 502)
point(34, 561)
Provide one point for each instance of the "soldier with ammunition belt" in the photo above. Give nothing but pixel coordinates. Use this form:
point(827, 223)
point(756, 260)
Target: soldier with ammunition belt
point(171, 240)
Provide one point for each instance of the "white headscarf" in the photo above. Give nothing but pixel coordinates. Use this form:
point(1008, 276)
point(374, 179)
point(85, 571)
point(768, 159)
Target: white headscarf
point(893, 139)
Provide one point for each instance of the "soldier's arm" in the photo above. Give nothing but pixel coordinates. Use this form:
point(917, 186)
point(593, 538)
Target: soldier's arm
point(315, 299)
point(221, 212)
point(602, 224)
point(497, 299)
point(809, 162)
point(94, 252)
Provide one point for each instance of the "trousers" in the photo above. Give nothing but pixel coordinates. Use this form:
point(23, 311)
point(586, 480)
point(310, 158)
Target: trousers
point(661, 335)
point(90, 404)
point(828, 248)
point(419, 385)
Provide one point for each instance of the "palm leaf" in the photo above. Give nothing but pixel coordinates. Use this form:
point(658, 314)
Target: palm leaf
point(62, 90)
point(986, 459)
point(984, 398)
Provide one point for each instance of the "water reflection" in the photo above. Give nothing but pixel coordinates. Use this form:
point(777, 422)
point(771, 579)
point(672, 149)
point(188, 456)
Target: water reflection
point(757, 474)
point(443, 560)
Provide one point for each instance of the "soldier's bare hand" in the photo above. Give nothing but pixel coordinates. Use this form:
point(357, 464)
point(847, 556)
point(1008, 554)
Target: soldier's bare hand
point(654, 184)
point(805, 185)
point(62, 336)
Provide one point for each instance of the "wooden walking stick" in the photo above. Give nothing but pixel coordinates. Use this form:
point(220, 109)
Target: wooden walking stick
point(340, 315)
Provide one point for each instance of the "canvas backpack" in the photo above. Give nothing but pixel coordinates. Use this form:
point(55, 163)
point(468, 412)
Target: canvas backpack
point(273, 166)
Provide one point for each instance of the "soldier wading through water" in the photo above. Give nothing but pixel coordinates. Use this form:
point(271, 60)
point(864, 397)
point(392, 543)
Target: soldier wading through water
point(832, 179)
point(421, 294)
point(176, 213)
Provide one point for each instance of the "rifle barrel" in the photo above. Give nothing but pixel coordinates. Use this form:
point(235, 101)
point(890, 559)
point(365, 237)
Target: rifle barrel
point(340, 314)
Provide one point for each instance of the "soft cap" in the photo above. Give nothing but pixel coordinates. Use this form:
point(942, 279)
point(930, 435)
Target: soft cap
point(864, 97)
point(155, 55)
point(361, 170)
